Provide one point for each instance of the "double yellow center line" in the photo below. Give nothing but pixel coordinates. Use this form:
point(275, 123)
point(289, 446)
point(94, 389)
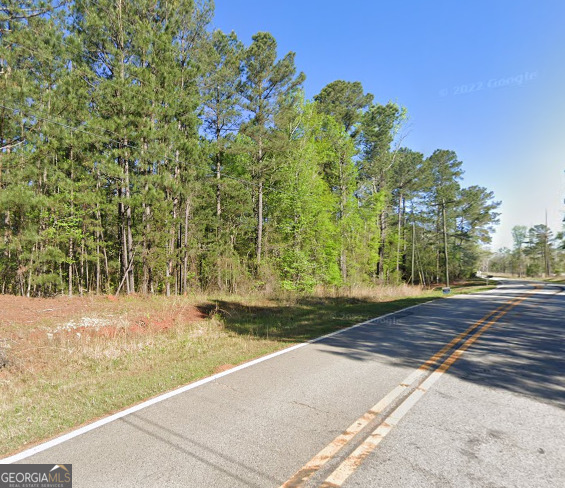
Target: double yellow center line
point(353, 461)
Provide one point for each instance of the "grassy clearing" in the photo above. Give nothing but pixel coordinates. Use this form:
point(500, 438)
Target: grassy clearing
point(56, 378)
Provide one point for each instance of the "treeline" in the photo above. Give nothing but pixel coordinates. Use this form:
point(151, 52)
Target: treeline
point(536, 252)
point(141, 151)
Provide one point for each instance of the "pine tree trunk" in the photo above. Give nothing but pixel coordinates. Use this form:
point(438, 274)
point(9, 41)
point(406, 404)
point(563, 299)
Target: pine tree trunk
point(131, 272)
point(382, 243)
point(185, 258)
point(400, 199)
point(438, 245)
point(98, 262)
point(404, 240)
point(259, 223)
point(145, 252)
point(129, 268)
point(81, 281)
point(259, 248)
point(124, 253)
point(218, 177)
point(170, 263)
point(30, 271)
point(71, 257)
point(98, 235)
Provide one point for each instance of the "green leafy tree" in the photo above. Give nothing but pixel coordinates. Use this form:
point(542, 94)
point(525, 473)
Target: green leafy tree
point(306, 247)
point(379, 127)
point(267, 86)
point(113, 116)
point(343, 103)
point(519, 236)
point(540, 251)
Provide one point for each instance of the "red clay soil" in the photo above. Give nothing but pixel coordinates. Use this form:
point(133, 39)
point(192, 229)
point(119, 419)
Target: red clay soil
point(223, 367)
point(24, 310)
point(27, 313)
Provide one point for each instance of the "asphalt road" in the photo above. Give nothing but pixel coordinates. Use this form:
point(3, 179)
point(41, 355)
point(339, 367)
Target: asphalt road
point(488, 410)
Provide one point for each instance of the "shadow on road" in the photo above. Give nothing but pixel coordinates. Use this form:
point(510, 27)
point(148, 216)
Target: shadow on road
point(199, 452)
point(523, 352)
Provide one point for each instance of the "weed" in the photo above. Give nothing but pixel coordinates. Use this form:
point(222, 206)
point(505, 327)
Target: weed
point(58, 373)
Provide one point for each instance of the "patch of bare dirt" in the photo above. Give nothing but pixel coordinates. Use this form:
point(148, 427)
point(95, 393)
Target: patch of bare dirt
point(99, 315)
point(222, 368)
point(33, 331)
point(24, 310)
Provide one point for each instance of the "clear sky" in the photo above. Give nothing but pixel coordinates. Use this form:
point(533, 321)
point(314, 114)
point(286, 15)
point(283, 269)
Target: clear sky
point(483, 78)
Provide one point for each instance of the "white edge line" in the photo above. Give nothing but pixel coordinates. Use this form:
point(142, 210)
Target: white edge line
point(562, 289)
point(140, 406)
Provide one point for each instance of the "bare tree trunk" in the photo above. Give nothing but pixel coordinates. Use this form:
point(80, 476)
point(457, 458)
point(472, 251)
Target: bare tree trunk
point(98, 262)
point(71, 244)
point(127, 238)
point(438, 245)
point(71, 257)
point(342, 209)
point(30, 270)
point(178, 267)
point(218, 187)
point(145, 251)
point(129, 232)
point(445, 247)
point(342, 254)
point(413, 249)
point(185, 245)
point(400, 199)
point(170, 263)
point(106, 267)
point(172, 234)
point(382, 242)
point(104, 253)
point(259, 249)
point(98, 233)
point(404, 239)
point(81, 281)
point(259, 223)
point(124, 253)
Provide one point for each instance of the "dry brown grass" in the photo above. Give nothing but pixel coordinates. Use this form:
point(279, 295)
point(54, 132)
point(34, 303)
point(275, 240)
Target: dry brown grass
point(54, 382)
point(382, 292)
point(88, 357)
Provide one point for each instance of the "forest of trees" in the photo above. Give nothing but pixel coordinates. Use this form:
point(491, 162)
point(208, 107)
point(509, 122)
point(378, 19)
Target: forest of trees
point(535, 252)
point(143, 151)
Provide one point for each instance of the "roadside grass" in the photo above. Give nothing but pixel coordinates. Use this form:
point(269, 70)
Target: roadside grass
point(51, 384)
point(560, 280)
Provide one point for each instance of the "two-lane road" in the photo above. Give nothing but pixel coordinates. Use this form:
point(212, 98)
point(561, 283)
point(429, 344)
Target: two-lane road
point(468, 391)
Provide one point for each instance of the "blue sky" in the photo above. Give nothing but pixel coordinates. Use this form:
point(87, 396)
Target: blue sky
point(484, 78)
